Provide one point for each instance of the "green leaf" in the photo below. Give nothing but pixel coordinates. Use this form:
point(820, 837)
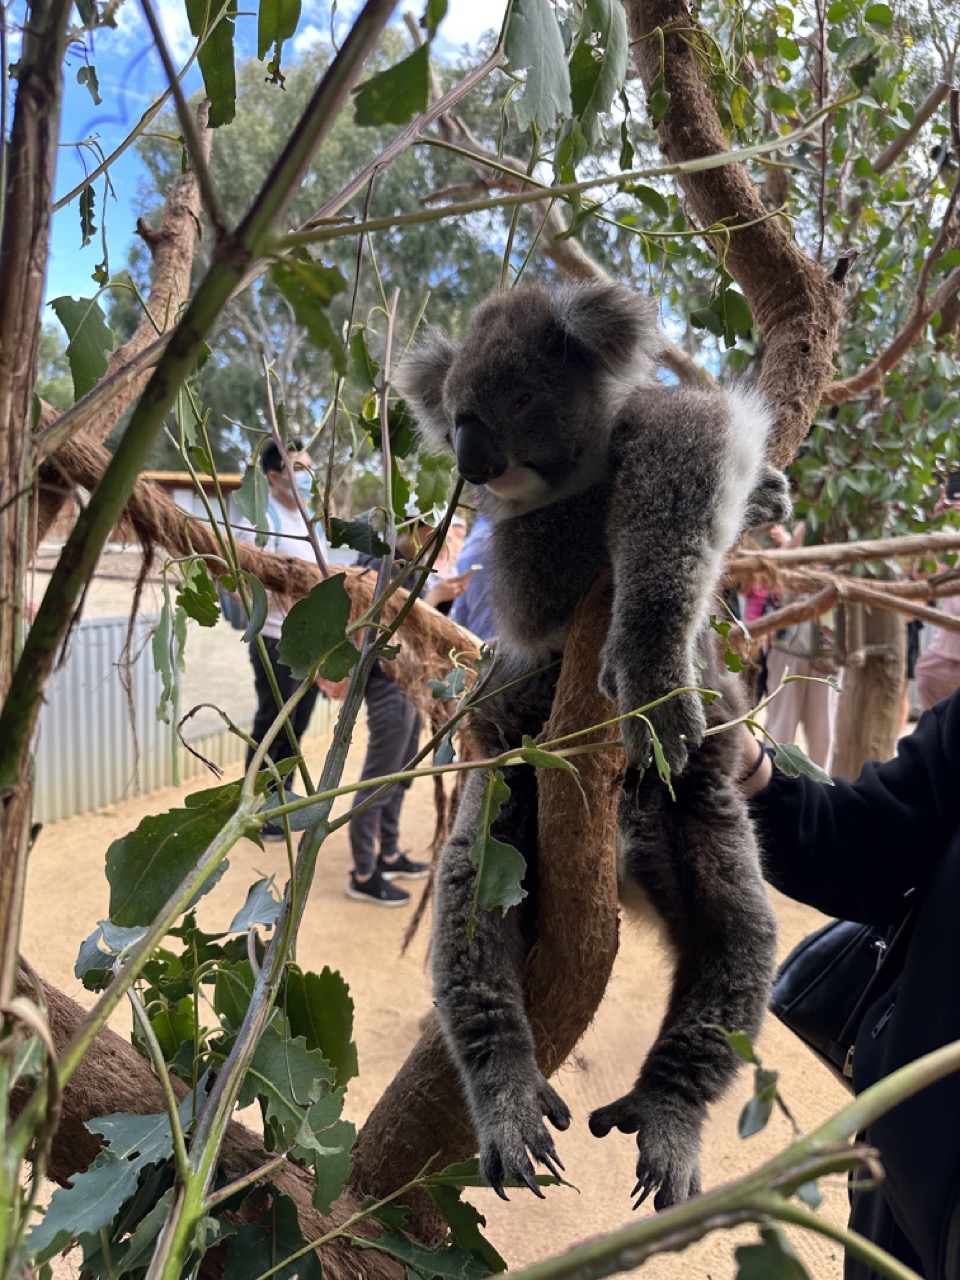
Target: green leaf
point(598, 68)
point(95, 1196)
point(465, 1222)
point(319, 1008)
point(787, 48)
point(792, 761)
point(758, 1110)
point(253, 497)
point(737, 313)
point(778, 100)
point(88, 76)
point(313, 634)
point(256, 1249)
point(91, 1202)
point(88, 227)
point(540, 759)
point(259, 606)
point(396, 95)
point(837, 11)
point(534, 44)
point(774, 1259)
point(331, 1170)
point(261, 907)
point(287, 1078)
point(147, 866)
point(309, 287)
point(433, 15)
point(90, 340)
point(216, 59)
point(197, 595)
point(879, 16)
point(810, 1194)
point(650, 197)
point(276, 22)
point(233, 987)
point(739, 98)
point(359, 534)
point(445, 1263)
point(500, 867)
point(451, 686)
point(433, 480)
point(707, 318)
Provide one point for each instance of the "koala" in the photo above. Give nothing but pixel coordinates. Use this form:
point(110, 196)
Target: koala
point(585, 461)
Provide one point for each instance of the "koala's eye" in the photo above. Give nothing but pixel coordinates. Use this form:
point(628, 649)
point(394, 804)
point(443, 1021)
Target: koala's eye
point(523, 401)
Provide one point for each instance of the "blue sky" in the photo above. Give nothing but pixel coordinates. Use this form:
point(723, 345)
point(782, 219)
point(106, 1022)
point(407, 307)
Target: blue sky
point(131, 78)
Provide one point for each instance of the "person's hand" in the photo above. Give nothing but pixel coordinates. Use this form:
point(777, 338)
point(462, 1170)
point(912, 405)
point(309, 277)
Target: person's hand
point(334, 689)
point(448, 588)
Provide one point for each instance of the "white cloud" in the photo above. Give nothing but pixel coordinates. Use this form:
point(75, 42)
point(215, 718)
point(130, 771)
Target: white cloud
point(307, 37)
point(176, 29)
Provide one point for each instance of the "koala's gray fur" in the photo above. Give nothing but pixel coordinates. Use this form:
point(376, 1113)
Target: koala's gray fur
point(584, 460)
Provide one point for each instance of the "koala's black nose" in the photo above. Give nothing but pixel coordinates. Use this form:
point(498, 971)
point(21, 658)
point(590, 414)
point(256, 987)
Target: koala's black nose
point(479, 459)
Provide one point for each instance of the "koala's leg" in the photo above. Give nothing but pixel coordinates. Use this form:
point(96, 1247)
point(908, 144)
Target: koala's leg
point(698, 864)
point(478, 991)
point(684, 464)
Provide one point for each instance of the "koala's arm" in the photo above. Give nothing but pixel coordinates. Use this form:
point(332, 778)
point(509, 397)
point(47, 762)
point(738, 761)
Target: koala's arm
point(478, 991)
point(685, 465)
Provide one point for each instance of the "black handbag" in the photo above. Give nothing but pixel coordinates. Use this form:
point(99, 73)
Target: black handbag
point(828, 982)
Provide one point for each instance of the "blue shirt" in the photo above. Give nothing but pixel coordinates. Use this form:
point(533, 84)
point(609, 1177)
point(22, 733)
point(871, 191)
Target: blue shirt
point(474, 609)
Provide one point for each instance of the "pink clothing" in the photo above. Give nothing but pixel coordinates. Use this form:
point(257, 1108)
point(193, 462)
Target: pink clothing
point(755, 600)
point(946, 644)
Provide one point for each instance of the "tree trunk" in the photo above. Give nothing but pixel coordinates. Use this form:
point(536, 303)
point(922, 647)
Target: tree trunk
point(871, 704)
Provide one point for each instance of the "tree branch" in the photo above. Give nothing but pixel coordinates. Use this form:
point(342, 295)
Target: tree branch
point(796, 307)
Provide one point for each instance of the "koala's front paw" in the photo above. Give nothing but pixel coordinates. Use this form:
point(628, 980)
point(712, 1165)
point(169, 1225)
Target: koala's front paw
point(668, 1138)
point(679, 723)
point(515, 1127)
point(769, 503)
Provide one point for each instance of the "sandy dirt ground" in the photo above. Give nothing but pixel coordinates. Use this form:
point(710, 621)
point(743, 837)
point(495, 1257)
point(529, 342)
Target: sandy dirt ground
point(67, 893)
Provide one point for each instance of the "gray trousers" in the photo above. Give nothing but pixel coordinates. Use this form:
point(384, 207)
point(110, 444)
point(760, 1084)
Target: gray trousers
point(394, 729)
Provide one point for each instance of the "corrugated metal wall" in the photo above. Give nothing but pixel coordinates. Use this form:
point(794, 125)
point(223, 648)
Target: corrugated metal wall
point(87, 755)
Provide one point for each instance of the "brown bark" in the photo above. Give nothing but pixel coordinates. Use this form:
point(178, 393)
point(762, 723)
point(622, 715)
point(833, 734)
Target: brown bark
point(795, 305)
point(423, 1111)
point(27, 199)
point(871, 709)
point(114, 1077)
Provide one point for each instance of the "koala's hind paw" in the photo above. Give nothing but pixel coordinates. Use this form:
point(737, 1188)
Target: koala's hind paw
point(518, 1129)
point(769, 503)
point(668, 1139)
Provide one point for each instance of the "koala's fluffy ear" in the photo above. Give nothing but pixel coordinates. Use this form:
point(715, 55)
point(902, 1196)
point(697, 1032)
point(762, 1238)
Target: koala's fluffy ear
point(420, 380)
point(614, 324)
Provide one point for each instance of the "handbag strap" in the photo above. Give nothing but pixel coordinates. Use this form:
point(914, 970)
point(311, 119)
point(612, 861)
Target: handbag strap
point(889, 965)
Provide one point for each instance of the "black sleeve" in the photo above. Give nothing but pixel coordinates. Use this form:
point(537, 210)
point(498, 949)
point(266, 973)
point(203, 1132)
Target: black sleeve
point(855, 850)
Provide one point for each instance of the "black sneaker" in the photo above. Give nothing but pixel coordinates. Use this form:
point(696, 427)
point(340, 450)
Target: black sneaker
point(271, 831)
point(376, 890)
point(402, 868)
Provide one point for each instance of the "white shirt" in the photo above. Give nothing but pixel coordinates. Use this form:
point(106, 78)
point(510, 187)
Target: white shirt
point(288, 538)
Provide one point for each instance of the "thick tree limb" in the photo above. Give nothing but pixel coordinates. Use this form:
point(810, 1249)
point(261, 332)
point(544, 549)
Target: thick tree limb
point(796, 307)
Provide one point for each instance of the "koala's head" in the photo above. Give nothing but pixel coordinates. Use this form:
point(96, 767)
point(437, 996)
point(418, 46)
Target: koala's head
point(527, 400)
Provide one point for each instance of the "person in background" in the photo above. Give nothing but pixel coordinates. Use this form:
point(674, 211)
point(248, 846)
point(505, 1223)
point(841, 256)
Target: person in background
point(287, 536)
point(393, 736)
point(474, 609)
point(871, 851)
point(809, 703)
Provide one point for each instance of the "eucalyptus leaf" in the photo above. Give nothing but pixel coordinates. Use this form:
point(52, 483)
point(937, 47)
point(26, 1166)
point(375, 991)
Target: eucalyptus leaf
point(396, 95)
point(91, 340)
point(500, 867)
point(534, 44)
point(257, 1249)
point(359, 534)
point(313, 635)
point(773, 1259)
point(319, 1008)
point(309, 287)
point(261, 907)
point(216, 58)
point(145, 867)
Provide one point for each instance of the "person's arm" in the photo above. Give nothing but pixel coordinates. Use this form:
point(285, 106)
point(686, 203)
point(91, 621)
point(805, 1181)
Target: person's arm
point(856, 850)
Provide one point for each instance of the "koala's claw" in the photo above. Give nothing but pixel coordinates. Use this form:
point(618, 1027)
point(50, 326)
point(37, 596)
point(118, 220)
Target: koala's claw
point(504, 1147)
point(668, 1143)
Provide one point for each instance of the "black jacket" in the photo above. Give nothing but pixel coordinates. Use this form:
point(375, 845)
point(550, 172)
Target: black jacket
point(868, 851)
